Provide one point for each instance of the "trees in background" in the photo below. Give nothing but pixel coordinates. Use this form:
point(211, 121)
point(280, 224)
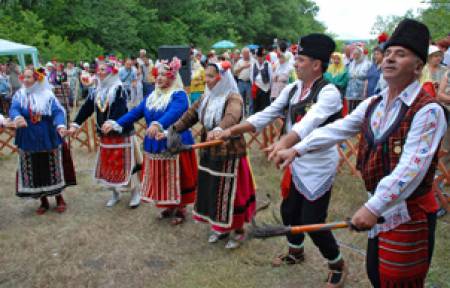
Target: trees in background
point(436, 17)
point(84, 29)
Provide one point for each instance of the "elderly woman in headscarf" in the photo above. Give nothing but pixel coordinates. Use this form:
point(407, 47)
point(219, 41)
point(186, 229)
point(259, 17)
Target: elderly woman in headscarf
point(337, 74)
point(280, 75)
point(169, 180)
point(197, 77)
point(357, 70)
point(226, 192)
point(433, 71)
point(118, 152)
point(45, 166)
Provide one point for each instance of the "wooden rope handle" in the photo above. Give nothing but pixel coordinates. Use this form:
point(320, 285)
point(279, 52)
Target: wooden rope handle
point(207, 144)
point(319, 227)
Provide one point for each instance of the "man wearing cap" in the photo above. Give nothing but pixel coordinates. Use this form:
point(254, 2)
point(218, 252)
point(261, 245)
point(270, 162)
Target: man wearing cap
point(310, 102)
point(401, 128)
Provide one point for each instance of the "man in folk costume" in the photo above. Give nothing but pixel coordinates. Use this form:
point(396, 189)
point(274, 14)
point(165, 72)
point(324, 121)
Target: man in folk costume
point(226, 191)
point(45, 165)
point(261, 78)
point(170, 181)
point(310, 102)
point(402, 128)
point(118, 153)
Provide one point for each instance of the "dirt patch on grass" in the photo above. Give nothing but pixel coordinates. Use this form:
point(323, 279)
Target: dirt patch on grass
point(92, 246)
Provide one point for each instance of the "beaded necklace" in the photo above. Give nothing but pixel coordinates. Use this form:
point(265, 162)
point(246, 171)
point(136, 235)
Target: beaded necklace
point(103, 101)
point(34, 117)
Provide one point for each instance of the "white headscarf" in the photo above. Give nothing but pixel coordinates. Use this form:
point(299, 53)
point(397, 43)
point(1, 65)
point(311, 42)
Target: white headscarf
point(107, 88)
point(214, 99)
point(160, 98)
point(358, 68)
point(362, 57)
point(39, 97)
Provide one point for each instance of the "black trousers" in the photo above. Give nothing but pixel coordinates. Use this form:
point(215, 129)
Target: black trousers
point(297, 210)
point(261, 101)
point(372, 260)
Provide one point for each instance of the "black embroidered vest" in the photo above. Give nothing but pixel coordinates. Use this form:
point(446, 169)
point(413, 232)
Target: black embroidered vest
point(264, 72)
point(299, 109)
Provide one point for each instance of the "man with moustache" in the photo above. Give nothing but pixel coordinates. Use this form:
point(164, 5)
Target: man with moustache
point(401, 128)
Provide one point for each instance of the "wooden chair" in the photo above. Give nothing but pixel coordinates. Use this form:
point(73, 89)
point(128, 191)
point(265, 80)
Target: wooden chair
point(85, 135)
point(347, 154)
point(6, 136)
point(253, 139)
point(7, 146)
point(275, 130)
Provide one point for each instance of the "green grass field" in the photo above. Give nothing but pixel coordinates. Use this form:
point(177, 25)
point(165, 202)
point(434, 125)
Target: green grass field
point(93, 246)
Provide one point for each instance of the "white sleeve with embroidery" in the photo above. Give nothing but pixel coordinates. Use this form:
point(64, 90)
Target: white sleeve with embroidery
point(425, 134)
point(328, 103)
point(333, 133)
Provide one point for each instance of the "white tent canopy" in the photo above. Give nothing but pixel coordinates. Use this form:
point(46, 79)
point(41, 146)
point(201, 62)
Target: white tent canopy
point(19, 50)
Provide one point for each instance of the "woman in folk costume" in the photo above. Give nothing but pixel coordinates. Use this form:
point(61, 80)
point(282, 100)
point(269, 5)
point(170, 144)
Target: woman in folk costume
point(45, 165)
point(225, 179)
point(169, 181)
point(433, 71)
point(337, 74)
point(118, 152)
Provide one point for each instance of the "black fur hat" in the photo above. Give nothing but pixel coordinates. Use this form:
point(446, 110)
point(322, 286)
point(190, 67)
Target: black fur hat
point(412, 35)
point(317, 46)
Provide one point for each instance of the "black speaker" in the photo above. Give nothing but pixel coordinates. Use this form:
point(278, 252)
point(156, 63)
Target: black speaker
point(167, 52)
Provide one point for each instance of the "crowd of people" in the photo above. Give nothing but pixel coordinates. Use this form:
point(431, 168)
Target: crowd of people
point(260, 73)
point(323, 96)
